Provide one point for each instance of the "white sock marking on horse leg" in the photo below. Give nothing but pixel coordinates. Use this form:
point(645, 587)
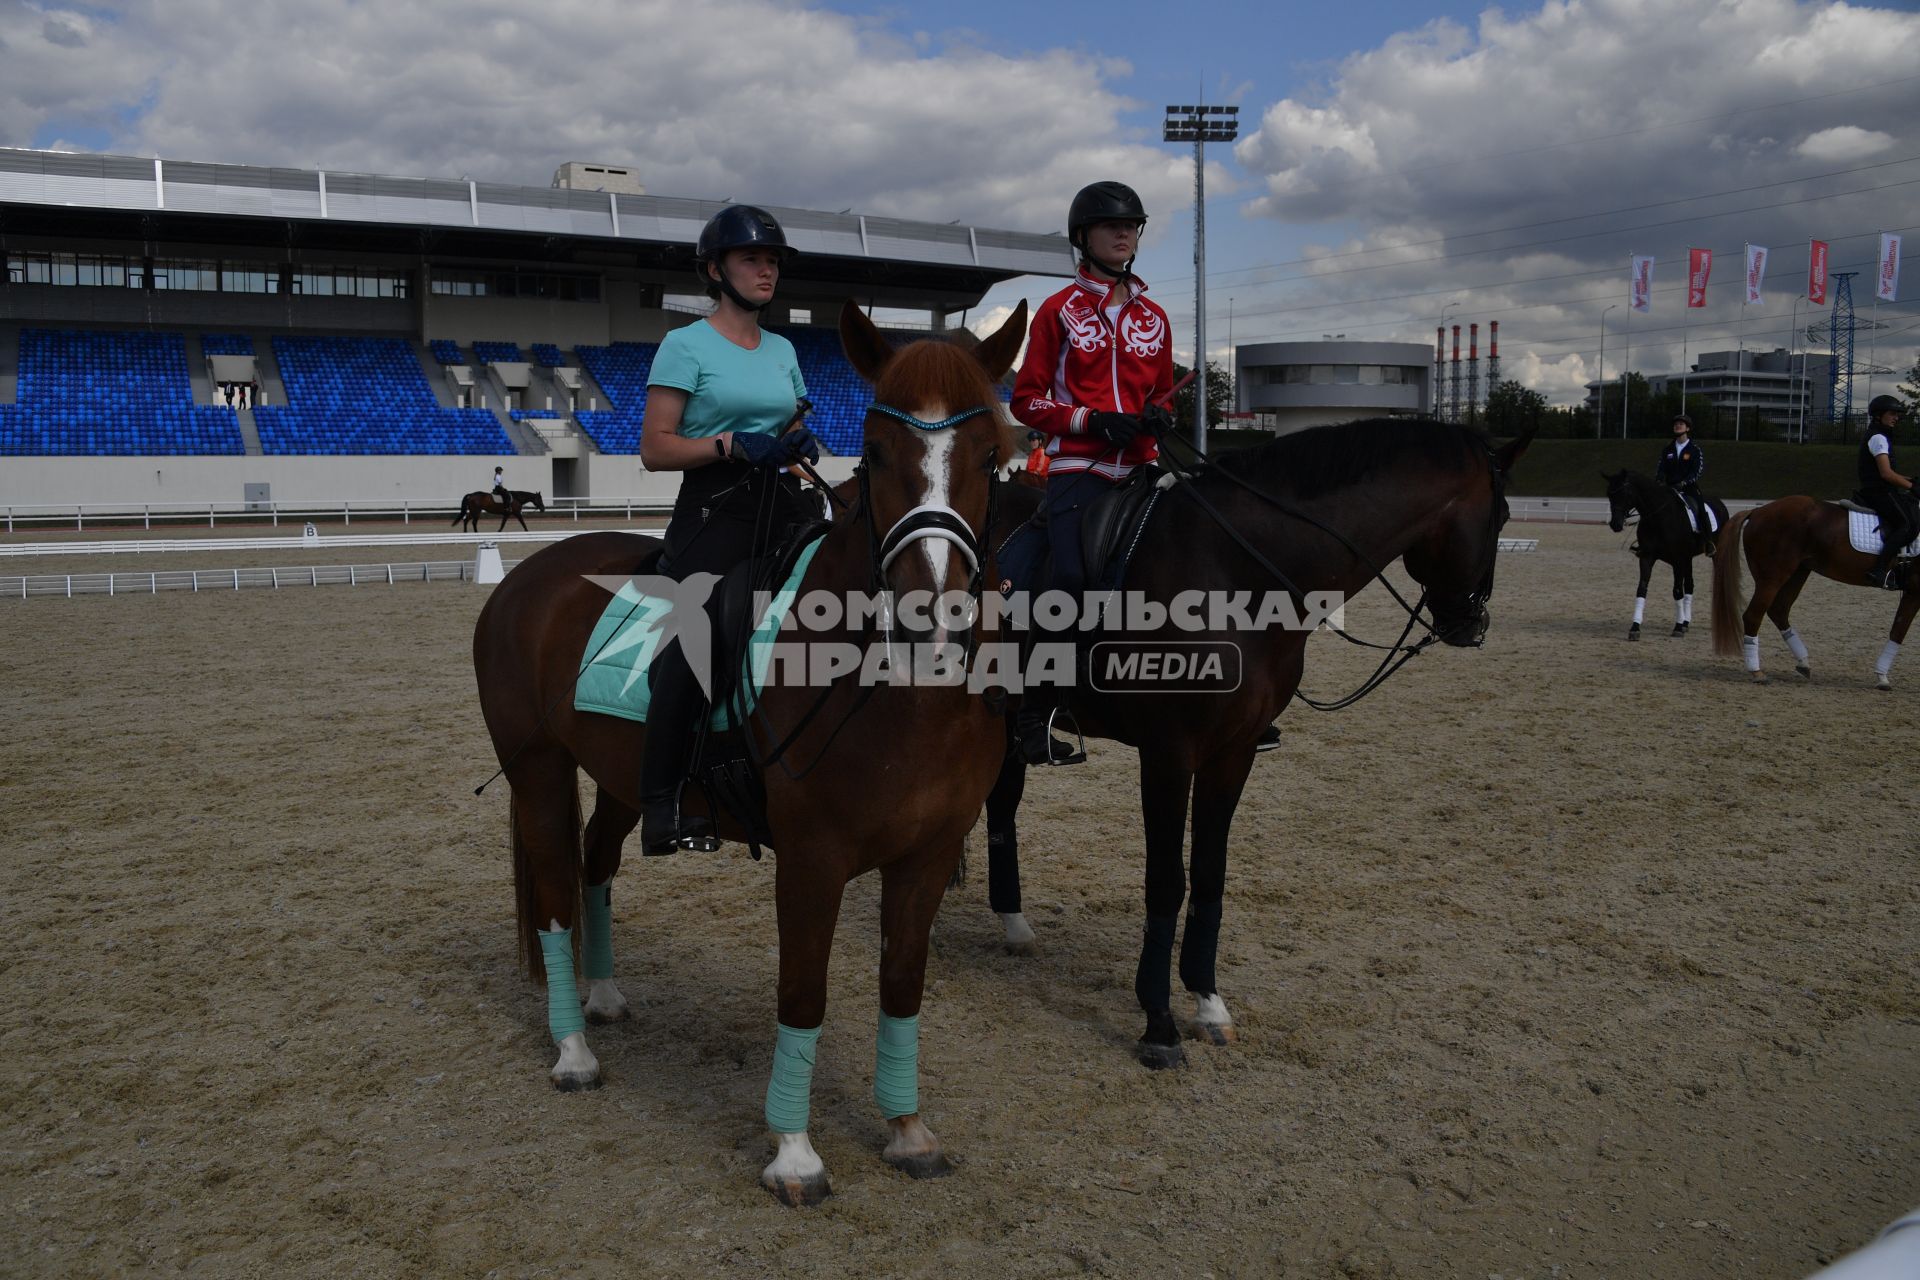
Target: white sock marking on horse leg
point(604, 1001)
point(1639, 608)
point(1211, 1011)
point(1019, 932)
point(1686, 609)
point(1795, 645)
point(576, 1060)
point(1883, 666)
point(1750, 650)
point(795, 1160)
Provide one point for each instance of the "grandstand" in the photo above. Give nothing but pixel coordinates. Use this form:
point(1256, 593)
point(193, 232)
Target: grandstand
point(398, 335)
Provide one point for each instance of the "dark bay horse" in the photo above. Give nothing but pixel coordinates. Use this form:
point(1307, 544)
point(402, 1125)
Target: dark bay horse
point(1664, 535)
point(1785, 542)
point(1325, 508)
point(482, 503)
point(890, 777)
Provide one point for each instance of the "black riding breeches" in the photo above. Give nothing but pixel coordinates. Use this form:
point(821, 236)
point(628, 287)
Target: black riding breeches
point(1899, 522)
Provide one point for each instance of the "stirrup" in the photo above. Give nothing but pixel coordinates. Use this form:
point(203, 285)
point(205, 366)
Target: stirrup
point(692, 835)
point(1054, 753)
point(1268, 740)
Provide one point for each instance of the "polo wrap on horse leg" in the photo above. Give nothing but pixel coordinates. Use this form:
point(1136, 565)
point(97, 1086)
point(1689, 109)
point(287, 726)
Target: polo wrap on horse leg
point(596, 950)
point(1795, 645)
point(1750, 651)
point(1198, 947)
point(1884, 666)
point(563, 998)
point(1152, 984)
point(896, 1066)
point(790, 1089)
point(1003, 872)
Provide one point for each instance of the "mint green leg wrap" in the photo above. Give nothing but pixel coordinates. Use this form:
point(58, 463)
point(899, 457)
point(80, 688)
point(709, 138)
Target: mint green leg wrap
point(563, 998)
point(896, 1066)
point(596, 951)
point(792, 1083)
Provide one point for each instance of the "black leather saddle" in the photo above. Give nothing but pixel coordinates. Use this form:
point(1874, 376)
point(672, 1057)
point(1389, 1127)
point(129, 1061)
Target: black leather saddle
point(1115, 519)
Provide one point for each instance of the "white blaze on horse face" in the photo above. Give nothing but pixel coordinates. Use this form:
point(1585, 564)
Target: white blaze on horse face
point(936, 470)
point(796, 1160)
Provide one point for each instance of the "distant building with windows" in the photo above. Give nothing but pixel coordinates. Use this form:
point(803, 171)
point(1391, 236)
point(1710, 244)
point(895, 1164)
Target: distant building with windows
point(1776, 386)
point(1290, 386)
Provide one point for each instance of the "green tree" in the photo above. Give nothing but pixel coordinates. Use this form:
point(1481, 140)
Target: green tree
point(1909, 388)
point(1219, 397)
point(1512, 408)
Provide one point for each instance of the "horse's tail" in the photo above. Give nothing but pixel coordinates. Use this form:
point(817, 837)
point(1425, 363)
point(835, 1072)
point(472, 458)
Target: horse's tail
point(523, 886)
point(1726, 586)
point(461, 514)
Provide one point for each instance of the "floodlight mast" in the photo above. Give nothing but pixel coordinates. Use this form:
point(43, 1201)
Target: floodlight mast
point(1200, 124)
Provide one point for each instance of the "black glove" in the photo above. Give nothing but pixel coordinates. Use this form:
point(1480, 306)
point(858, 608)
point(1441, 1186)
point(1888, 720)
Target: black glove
point(801, 445)
point(1119, 429)
point(1156, 421)
point(759, 449)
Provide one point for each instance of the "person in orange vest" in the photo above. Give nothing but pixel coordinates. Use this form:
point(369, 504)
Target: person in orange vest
point(1037, 454)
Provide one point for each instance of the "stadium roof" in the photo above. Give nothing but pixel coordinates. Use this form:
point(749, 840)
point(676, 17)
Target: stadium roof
point(70, 195)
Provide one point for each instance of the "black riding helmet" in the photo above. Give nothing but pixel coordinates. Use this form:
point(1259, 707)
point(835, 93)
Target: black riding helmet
point(1681, 417)
point(1882, 404)
point(1103, 202)
point(738, 226)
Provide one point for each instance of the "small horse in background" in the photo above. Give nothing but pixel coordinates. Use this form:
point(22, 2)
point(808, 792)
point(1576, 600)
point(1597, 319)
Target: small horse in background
point(1785, 542)
point(481, 502)
point(1665, 535)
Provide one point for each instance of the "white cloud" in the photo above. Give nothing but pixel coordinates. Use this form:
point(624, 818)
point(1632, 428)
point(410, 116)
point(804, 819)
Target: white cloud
point(1557, 115)
point(1844, 142)
point(754, 99)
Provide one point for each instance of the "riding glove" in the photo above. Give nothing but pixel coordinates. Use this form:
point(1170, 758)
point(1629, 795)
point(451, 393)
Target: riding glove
point(775, 453)
point(1118, 428)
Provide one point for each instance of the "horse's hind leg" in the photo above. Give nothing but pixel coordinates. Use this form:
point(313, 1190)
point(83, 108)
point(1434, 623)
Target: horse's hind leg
point(1640, 598)
point(546, 858)
point(1902, 619)
point(1216, 794)
point(1780, 611)
point(1164, 785)
point(1003, 853)
point(607, 830)
point(1682, 595)
point(910, 893)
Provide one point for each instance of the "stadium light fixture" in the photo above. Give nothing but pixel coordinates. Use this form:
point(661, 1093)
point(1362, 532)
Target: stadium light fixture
point(1200, 124)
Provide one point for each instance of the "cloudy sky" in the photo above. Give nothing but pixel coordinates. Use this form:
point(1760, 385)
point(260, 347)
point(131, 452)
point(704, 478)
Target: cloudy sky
point(1396, 160)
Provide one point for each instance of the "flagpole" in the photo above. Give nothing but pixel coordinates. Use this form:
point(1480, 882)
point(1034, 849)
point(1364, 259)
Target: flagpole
point(1740, 357)
point(1626, 367)
point(1792, 387)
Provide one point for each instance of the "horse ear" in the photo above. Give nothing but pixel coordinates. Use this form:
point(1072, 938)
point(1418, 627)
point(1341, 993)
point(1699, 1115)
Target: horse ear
point(866, 347)
point(1509, 453)
point(997, 353)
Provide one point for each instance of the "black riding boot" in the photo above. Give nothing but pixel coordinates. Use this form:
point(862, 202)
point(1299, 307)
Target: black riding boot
point(1882, 574)
point(671, 712)
point(1033, 730)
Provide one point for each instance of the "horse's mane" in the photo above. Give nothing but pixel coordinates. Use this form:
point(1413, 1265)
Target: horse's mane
point(1308, 464)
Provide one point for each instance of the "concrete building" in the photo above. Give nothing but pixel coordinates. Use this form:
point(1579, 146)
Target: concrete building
point(1772, 386)
point(1290, 386)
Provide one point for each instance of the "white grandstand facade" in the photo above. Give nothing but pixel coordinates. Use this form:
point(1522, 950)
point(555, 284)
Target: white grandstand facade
point(324, 294)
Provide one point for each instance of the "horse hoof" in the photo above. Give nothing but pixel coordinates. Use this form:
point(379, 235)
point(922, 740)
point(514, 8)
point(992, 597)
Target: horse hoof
point(572, 1083)
point(1679, 629)
point(1213, 1033)
point(1805, 670)
point(1159, 1057)
point(798, 1192)
point(1026, 949)
point(601, 1017)
point(922, 1164)
point(1883, 684)
point(1633, 632)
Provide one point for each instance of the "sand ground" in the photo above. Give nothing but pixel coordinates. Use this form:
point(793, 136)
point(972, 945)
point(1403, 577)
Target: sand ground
point(1567, 957)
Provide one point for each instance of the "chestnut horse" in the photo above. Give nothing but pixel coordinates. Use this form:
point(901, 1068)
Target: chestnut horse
point(1785, 542)
point(890, 776)
point(482, 503)
point(1318, 511)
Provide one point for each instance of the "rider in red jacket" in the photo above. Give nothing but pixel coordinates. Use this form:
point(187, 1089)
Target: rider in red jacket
point(1099, 362)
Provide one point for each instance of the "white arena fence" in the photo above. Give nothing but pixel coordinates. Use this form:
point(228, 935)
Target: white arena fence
point(282, 542)
point(23, 586)
point(210, 515)
point(1589, 510)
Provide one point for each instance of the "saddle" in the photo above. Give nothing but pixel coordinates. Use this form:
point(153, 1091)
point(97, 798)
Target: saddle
point(1109, 532)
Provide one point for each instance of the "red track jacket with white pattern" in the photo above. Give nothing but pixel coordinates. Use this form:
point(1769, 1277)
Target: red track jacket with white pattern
point(1079, 362)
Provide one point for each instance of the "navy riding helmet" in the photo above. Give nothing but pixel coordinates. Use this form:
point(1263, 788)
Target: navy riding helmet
point(738, 226)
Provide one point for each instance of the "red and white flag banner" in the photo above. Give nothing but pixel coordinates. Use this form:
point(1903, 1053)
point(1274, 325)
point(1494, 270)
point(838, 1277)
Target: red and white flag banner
point(1817, 272)
point(1756, 272)
point(1699, 267)
point(1887, 278)
point(1640, 281)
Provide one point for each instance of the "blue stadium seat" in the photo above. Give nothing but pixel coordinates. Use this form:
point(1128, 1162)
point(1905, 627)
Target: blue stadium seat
point(548, 356)
point(226, 344)
point(366, 396)
point(104, 394)
point(498, 353)
point(446, 351)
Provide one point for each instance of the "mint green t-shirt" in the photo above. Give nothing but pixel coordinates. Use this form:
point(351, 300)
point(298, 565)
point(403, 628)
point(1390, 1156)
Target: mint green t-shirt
point(728, 387)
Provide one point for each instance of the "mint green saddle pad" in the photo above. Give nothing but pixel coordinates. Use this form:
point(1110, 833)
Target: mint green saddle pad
point(614, 680)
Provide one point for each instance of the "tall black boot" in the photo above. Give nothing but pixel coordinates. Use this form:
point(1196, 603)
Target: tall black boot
point(1034, 734)
point(674, 707)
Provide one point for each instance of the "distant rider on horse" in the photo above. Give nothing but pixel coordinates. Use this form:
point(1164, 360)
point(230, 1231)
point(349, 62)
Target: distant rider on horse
point(1099, 365)
point(719, 396)
point(1680, 467)
point(500, 486)
point(1886, 491)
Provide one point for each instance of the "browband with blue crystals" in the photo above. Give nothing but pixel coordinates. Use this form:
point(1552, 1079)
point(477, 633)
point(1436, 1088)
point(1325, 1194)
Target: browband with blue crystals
point(901, 415)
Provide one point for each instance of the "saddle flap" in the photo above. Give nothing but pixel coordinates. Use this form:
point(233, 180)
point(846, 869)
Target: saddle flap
point(1111, 521)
